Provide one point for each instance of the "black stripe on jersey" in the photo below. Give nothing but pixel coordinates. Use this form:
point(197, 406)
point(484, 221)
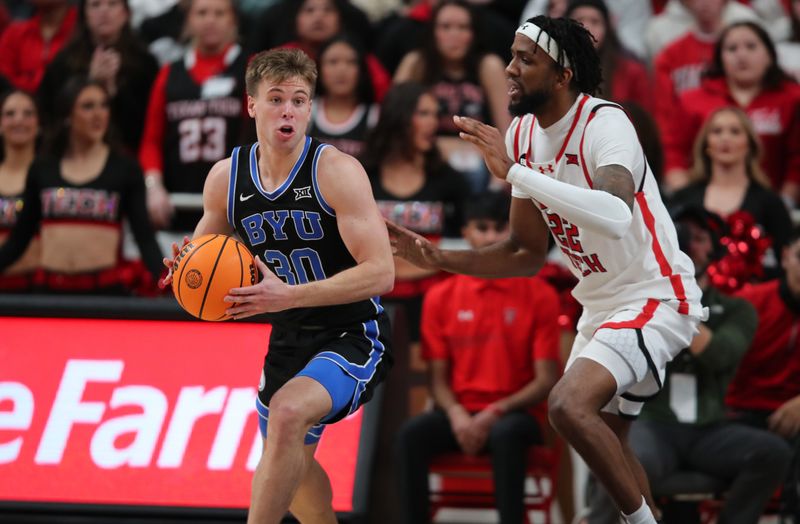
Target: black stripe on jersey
point(320, 199)
point(254, 173)
point(232, 184)
point(211, 276)
point(644, 173)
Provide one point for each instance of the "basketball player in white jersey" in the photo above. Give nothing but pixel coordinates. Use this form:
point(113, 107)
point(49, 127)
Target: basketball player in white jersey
point(577, 169)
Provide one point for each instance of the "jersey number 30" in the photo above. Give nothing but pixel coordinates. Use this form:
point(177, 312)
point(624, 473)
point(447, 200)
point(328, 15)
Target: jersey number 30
point(294, 268)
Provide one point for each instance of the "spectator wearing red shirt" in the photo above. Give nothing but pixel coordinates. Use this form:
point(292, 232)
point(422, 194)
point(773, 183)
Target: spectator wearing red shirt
point(28, 46)
point(196, 113)
point(625, 78)
point(766, 389)
point(743, 73)
point(768, 380)
point(492, 346)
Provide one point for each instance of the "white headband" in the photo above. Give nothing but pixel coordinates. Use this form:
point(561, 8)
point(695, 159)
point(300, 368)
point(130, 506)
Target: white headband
point(540, 37)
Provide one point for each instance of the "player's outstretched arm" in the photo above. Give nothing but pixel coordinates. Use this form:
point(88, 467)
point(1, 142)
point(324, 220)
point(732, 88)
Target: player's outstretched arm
point(605, 210)
point(522, 254)
point(215, 208)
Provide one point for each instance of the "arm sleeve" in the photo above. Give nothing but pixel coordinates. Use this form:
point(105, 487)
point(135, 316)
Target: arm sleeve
point(613, 142)
point(546, 336)
point(731, 338)
point(151, 156)
point(136, 211)
point(27, 223)
point(431, 333)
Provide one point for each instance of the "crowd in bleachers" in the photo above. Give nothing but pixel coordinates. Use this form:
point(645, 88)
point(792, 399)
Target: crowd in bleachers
point(111, 108)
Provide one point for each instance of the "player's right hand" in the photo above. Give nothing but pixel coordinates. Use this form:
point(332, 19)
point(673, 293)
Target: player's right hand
point(413, 247)
point(170, 262)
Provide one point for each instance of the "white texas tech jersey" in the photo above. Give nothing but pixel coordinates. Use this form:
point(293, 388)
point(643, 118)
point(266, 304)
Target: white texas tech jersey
point(614, 274)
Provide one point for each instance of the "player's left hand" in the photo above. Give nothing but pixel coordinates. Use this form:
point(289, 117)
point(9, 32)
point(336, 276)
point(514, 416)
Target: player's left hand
point(268, 296)
point(785, 421)
point(489, 140)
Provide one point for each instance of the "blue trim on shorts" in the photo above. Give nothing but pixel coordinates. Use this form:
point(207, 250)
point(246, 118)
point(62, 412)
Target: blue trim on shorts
point(363, 373)
point(312, 436)
point(339, 385)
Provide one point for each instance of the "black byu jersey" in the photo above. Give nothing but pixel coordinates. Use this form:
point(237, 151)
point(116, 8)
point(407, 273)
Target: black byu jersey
point(294, 231)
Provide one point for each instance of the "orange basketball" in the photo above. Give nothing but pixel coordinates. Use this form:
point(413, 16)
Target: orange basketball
point(206, 269)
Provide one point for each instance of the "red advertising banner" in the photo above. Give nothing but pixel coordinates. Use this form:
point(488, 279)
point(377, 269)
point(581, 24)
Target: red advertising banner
point(155, 413)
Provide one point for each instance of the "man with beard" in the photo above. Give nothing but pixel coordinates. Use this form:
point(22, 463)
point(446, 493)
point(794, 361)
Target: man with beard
point(577, 169)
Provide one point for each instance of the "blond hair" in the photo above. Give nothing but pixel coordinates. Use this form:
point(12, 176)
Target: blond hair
point(701, 166)
point(279, 65)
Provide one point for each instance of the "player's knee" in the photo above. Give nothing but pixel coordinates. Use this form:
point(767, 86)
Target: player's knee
point(563, 409)
point(287, 417)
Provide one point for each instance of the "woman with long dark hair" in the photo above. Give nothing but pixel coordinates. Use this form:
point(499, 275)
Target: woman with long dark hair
point(464, 78)
point(343, 110)
point(19, 132)
point(413, 186)
point(105, 49)
point(77, 196)
point(744, 73)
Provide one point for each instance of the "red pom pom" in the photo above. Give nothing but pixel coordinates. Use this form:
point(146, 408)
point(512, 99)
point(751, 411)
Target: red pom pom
point(745, 245)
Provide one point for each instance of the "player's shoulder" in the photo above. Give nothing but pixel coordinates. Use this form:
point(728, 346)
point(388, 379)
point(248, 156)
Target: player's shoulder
point(601, 106)
point(332, 160)
point(219, 174)
point(605, 117)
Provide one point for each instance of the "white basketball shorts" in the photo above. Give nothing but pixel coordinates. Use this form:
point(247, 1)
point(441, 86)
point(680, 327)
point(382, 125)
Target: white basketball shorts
point(634, 344)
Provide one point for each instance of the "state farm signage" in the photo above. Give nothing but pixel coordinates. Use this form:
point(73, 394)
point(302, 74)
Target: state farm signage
point(140, 412)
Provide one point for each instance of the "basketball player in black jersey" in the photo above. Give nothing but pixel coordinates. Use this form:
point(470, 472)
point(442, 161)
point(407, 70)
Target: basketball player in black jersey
point(306, 211)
